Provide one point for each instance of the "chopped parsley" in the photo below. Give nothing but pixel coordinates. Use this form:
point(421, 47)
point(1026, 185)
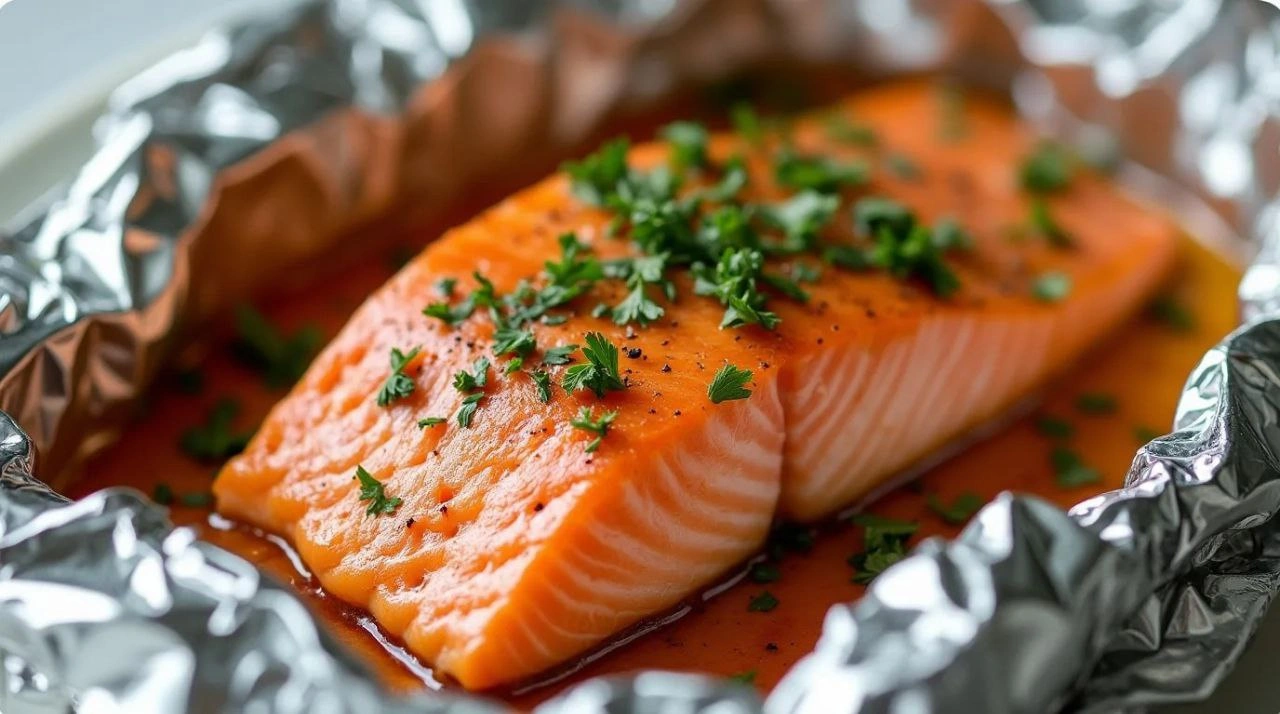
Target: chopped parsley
point(465, 381)
point(1044, 225)
point(189, 380)
point(1051, 287)
point(1145, 434)
point(764, 573)
point(1177, 316)
point(732, 180)
point(542, 382)
point(216, 440)
point(733, 281)
point(596, 178)
point(445, 286)
point(688, 142)
point(586, 421)
point(801, 218)
point(398, 385)
point(1096, 403)
point(903, 166)
point(512, 340)
point(747, 677)
point(467, 412)
point(282, 359)
point(1047, 169)
point(600, 373)
point(429, 422)
point(1069, 470)
point(789, 538)
point(730, 383)
point(195, 499)
point(959, 511)
point(907, 249)
point(746, 122)
point(1055, 428)
point(818, 173)
point(884, 543)
point(373, 491)
point(764, 602)
point(450, 314)
point(841, 128)
point(162, 494)
point(559, 355)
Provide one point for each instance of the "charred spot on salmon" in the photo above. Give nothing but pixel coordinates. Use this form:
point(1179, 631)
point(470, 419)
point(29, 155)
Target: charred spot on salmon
point(884, 543)
point(1145, 434)
point(597, 177)
point(586, 421)
point(1046, 169)
point(282, 359)
point(600, 373)
point(903, 167)
point(1052, 287)
point(688, 142)
point(733, 281)
point(216, 439)
point(511, 340)
point(747, 123)
point(1096, 403)
point(409, 522)
point(559, 355)
point(512, 366)
point(763, 602)
point(398, 385)
point(1069, 470)
point(429, 422)
point(373, 491)
point(959, 511)
point(728, 384)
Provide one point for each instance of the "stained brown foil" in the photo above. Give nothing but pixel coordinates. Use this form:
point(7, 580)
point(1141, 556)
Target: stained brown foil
point(275, 138)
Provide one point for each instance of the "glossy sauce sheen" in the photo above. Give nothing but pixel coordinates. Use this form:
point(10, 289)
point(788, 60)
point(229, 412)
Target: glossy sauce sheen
point(1143, 369)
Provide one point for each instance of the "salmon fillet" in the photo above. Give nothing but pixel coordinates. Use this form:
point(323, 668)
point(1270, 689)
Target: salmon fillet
point(513, 547)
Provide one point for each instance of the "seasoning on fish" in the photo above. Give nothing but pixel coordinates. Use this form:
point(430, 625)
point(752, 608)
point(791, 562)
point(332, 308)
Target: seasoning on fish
point(922, 326)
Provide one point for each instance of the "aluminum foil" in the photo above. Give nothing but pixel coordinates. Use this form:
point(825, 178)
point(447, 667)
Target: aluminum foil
point(350, 109)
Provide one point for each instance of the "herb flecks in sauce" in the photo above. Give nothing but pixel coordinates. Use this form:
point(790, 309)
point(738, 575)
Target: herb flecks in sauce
point(216, 439)
point(884, 543)
point(281, 358)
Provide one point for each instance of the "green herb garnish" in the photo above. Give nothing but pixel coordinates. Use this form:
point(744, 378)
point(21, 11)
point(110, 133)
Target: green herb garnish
point(600, 373)
point(196, 499)
point(1051, 287)
point(733, 281)
point(839, 127)
point(373, 491)
point(450, 314)
point(905, 248)
point(730, 383)
point(1043, 224)
point(282, 360)
point(542, 381)
point(959, 511)
point(467, 412)
point(764, 573)
point(1048, 168)
point(1055, 428)
point(465, 381)
point(764, 602)
point(559, 355)
point(688, 141)
point(216, 440)
point(598, 426)
point(1096, 403)
point(1177, 316)
point(445, 286)
point(884, 543)
point(162, 494)
point(512, 340)
point(748, 677)
point(746, 122)
point(818, 173)
point(429, 422)
point(398, 385)
point(903, 166)
point(952, 123)
point(801, 218)
point(789, 538)
point(1145, 434)
point(596, 178)
point(1069, 471)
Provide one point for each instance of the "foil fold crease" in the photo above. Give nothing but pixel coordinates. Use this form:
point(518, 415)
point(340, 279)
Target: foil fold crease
point(355, 108)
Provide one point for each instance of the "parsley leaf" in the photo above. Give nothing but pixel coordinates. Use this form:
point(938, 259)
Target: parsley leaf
point(841, 128)
point(512, 340)
point(429, 422)
point(1055, 428)
point(746, 122)
point(688, 142)
point(596, 178)
point(1043, 224)
point(884, 543)
point(818, 173)
point(959, 511)
point(215, 440)
point(373, 491)
point(600, 373)
point(542, 381)
point(598, 426)
point(729, 384)
point(465, 381)
point(282, 360)
point(1145, 434)
point(801, 218)
point(764, 602)
point(1096, 403)
point(1051, 287)
point(467, 412)
point(764, 573)
point(398, 384)
point(559, 355)
point(1168, 310)
point(162, 494)
point(733, 282)
point(748, 677)
point(1069, 470)
point(446, 286)
point(1048, 168)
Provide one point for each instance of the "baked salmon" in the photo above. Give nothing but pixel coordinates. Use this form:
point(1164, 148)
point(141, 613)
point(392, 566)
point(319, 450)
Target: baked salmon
point(595, 398)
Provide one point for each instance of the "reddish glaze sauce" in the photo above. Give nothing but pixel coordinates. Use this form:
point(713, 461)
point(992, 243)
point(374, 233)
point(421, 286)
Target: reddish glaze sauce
point(1143, 368)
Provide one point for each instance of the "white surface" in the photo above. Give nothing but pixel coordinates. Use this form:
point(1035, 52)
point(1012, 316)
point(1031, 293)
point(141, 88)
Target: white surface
point(58, 60)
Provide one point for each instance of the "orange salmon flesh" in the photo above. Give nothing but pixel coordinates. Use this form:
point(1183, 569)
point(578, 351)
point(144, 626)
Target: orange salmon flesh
point(515, 549)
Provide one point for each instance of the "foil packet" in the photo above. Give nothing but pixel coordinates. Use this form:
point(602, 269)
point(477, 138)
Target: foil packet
point(356, 108)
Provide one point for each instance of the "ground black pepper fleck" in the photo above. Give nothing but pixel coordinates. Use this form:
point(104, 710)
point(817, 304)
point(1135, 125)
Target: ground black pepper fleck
point(819, 340)
point(409, 523)
point(538, 506)
point(677, 412)
point(634, 352)
point(666, 368)
point(771, 647)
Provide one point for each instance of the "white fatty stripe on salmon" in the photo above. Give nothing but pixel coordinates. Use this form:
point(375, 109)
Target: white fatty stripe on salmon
point(821, 400)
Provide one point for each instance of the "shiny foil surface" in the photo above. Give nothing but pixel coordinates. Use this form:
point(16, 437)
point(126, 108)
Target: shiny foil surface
point(276, 137)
